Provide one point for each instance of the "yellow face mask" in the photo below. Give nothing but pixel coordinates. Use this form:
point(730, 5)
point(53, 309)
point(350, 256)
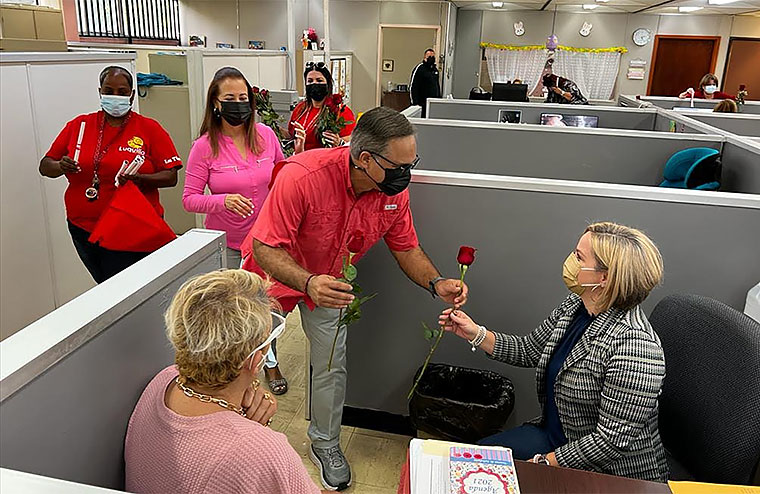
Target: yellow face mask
point(570, 270)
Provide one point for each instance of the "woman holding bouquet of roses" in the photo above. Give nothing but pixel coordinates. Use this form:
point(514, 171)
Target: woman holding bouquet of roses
point(305, 119)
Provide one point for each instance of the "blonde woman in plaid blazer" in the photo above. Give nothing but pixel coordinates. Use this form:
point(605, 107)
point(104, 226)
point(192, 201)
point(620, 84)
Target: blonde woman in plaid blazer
point(599, 365)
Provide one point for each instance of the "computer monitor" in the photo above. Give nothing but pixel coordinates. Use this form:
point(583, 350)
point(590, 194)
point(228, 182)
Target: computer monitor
point(510, 92)
point(559, 120)
point(510, 116)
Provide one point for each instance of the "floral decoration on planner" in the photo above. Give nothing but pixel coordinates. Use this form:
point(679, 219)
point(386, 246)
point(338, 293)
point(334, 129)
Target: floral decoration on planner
point(353, 312)
point(271, 118)
point(465, 258)
point(330, 118)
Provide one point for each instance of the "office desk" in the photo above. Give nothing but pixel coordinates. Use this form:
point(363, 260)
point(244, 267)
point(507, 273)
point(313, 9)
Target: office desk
point(542, 479)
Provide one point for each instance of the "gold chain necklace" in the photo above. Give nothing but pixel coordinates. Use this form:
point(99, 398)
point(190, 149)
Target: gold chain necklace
point(208, 399)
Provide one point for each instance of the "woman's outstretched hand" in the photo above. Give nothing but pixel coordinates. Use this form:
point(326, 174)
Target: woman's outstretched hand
point(459, 323)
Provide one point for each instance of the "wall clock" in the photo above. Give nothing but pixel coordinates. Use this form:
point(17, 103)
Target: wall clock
point(642, 36)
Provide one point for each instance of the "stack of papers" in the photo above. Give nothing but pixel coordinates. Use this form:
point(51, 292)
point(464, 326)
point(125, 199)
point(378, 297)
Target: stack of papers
point(443, 467)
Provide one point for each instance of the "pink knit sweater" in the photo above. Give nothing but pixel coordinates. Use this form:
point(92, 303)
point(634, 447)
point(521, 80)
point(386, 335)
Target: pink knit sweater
point(220, 452)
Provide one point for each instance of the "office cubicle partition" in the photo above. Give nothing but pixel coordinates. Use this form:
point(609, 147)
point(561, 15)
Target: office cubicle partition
point(610, 117)
point(70, 381)
point(524, 229)
point(669, 102)
point(741, 124)
point(596, 155)
point(741, 165)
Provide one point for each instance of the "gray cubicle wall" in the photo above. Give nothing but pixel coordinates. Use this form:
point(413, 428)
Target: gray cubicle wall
point(71, 379)
point(524, 229)
point(668, 103)
point(737, 123)
point(610, 117)
point(682, 123)
point(597, 155)
point(741, 166)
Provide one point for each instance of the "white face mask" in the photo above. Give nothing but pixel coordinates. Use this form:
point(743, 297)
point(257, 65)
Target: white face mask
point(115, 105)
point(276, 332)
point(711, 89)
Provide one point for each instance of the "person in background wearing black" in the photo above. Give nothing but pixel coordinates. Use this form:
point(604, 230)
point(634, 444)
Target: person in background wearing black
point(425, 83)
point(563, 91)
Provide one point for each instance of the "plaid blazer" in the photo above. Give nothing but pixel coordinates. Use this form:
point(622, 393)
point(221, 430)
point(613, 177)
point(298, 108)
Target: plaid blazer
point(606, 391)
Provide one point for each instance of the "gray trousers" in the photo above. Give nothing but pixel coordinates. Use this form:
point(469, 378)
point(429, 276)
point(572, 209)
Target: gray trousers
point(328, 389)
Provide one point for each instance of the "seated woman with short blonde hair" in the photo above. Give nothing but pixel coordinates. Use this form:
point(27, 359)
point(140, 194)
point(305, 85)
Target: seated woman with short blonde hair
point(599, 365)
point(202, 425)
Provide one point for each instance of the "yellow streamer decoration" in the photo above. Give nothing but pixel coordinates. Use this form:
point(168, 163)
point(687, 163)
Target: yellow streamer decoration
point(619, 49)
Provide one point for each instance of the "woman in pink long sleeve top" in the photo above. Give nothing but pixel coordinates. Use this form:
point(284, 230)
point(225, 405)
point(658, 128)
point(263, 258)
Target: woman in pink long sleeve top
point(234, 157)
point(202, 425)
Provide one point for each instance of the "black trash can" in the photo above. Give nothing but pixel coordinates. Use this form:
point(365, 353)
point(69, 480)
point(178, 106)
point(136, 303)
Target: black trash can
point(461, 404)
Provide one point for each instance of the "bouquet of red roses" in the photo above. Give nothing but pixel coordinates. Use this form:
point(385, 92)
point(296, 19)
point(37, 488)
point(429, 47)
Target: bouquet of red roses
point(271, 118)
point(330, 118)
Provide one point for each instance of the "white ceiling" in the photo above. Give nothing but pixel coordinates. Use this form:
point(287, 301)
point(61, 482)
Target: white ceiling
point(749, 7)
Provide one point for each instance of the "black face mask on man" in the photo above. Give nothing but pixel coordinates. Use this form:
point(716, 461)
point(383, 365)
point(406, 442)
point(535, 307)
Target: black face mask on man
point(430, 60)
point(235, 112)
point(396, 179)
point(316, 91)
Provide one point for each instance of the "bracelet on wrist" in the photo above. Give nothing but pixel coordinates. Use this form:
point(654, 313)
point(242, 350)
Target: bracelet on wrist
point(479, 338)
point(306, 285)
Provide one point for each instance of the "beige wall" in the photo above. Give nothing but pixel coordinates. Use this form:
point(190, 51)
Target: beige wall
point(405, 47)
point(353, 25)
point(616, 30)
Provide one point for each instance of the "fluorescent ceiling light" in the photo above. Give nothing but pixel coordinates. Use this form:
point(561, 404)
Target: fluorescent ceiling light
point(589, 6)
point(497, 5)
point(605, 1)
point(720, 2)
point(689, 9)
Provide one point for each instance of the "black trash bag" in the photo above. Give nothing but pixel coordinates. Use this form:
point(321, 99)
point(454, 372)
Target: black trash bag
point(460, 404)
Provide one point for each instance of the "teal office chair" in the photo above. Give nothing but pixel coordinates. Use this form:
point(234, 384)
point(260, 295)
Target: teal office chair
point(693, 168)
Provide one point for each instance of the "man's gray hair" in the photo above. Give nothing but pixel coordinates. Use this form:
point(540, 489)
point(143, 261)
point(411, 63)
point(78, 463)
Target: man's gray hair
point(376, 129)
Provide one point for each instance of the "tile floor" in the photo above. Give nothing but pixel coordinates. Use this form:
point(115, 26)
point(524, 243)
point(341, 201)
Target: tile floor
point(375, 457)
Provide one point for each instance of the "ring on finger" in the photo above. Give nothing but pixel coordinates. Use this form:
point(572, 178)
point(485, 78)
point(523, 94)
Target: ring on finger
point(267, 396)
point(269, 422)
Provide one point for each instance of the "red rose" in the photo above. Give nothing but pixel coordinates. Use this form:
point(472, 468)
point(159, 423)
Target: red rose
point(338, 99)
point(356, 242)
point(466, 255)
point(742, 87)
point(264, 93)
point(255, 90)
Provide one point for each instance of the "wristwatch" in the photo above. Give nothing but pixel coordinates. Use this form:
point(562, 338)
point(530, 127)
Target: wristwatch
point(541, 459)
point(431, 285)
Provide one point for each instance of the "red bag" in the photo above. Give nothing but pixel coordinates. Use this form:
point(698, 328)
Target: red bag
point(130, 223)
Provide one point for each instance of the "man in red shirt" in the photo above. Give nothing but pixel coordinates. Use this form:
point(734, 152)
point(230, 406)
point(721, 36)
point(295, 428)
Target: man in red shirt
point(319, 200)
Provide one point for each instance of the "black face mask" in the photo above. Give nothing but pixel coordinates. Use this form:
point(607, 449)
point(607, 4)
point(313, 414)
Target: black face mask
point(430, 60)
point(317, 91)
point(395, 182)
point(236, 112)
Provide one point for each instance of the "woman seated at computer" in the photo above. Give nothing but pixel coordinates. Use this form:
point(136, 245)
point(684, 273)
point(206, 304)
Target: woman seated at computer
point(599, 365)
point(708, 89)
point(562, 91)
point(202, 425)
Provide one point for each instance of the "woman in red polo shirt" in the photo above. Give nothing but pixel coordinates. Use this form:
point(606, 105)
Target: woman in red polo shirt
point(303, 120)
point(92, 149)
point(708, 89)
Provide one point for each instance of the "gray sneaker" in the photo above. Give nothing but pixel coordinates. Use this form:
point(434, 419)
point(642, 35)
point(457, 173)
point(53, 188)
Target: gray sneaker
point(333, 467)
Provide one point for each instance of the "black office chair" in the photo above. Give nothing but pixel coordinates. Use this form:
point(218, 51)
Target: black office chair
point(710, 401)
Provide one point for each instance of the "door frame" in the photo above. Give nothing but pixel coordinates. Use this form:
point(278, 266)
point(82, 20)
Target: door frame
point(379, 76)
point(657, 39)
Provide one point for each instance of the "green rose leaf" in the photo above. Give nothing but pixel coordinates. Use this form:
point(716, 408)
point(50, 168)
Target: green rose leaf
point(350, 272)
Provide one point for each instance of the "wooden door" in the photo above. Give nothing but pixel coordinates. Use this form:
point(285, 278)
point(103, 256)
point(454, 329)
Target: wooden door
point(743, 67)
point(679, 62)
